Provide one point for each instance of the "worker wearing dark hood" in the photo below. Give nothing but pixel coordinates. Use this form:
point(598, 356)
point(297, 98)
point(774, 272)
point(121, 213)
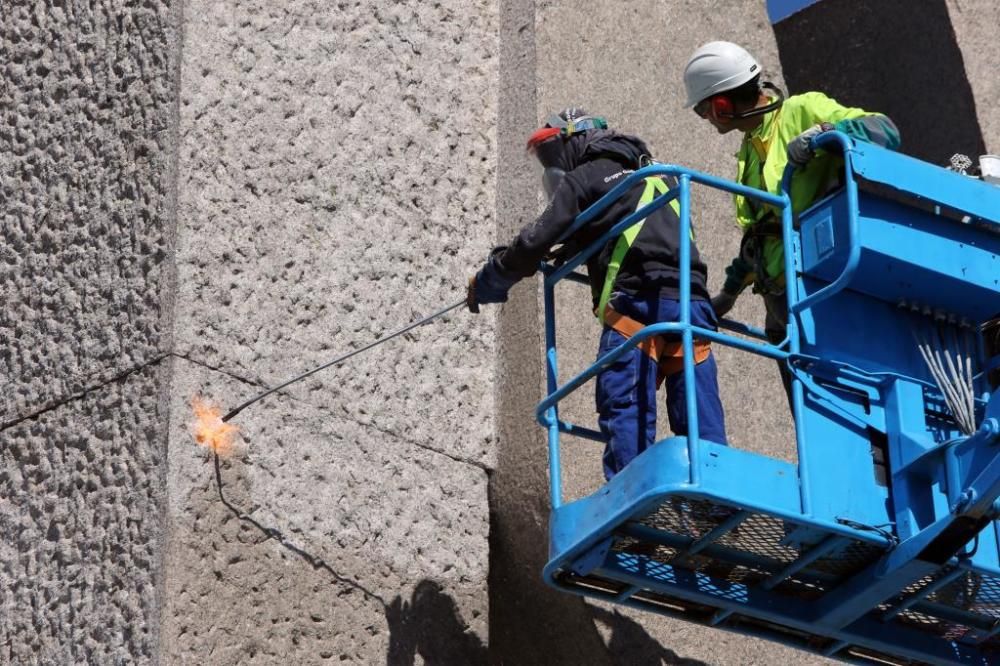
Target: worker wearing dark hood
point(634, 278)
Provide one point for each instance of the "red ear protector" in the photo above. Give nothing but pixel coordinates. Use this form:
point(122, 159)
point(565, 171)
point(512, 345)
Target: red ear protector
point(719, 106)
point(722, 107)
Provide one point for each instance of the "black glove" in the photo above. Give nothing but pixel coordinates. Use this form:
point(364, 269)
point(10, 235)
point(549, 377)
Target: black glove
point(470, 296)
point(739, 274)
point(723, 303)
point(489, 285)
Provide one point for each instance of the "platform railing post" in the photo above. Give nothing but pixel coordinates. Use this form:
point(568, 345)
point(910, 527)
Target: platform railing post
point(687, 335)
point(552, 384)
point(794, 343)
point(984, 356)
point(853, 230)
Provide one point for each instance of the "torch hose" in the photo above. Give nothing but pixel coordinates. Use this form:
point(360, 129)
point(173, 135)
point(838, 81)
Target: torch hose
point(344, 357)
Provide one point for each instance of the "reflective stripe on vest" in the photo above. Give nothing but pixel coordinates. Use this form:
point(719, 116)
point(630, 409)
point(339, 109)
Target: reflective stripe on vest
point(654, 188)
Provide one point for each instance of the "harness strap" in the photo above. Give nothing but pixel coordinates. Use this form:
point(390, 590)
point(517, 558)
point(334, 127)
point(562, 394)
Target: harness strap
point(752, 250)
point(767, 226)
point(667, 354)
point(760, 147)
point(654, 187)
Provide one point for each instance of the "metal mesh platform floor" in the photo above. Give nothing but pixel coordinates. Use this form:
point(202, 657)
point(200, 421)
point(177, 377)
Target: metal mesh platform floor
point(737, 550)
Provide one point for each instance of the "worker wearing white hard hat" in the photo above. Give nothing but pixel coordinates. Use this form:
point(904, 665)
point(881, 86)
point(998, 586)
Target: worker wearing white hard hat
point(715, 68)
point(724, 87)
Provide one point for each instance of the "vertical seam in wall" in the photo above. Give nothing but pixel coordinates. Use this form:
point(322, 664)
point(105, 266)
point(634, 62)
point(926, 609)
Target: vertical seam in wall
point(168, 299)
point(515, 206)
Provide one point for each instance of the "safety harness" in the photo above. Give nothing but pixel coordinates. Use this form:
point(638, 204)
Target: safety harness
point(766, 225)
point(667, 354)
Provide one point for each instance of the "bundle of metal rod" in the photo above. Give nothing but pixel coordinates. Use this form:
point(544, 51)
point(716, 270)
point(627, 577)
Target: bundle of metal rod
point(951, 367)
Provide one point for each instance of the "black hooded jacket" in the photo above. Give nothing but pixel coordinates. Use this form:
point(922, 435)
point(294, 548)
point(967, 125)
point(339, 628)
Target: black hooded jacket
point(595, 162)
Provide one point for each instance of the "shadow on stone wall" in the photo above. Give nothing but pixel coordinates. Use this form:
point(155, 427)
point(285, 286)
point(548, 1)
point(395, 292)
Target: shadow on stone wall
point(888, 56)
point(630, 644)
point(430, 625)
point(531, 622)
point(527, 617)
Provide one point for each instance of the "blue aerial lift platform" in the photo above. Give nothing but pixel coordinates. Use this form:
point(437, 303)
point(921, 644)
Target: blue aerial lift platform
point(882, 542)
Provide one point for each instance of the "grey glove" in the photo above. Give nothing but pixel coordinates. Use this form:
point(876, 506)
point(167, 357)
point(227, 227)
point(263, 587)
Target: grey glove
point(800, 149)
point(723, 303)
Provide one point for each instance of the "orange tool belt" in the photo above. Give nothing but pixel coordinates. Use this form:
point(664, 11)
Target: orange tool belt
point(667, 354)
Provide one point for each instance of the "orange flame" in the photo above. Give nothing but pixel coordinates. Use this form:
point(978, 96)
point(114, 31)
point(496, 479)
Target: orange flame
point(209, 430)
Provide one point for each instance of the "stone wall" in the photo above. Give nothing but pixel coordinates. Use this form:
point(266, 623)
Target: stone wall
point(291, 182)
point(87, 109)
point(337, 170)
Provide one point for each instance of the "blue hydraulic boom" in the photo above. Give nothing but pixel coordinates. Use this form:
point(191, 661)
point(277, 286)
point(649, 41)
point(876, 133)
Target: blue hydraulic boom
point(882, 542)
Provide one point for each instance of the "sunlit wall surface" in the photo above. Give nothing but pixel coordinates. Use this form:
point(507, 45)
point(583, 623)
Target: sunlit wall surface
point(201, 198)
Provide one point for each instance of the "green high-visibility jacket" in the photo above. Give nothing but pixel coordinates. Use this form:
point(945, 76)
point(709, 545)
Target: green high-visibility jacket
point(762, 158)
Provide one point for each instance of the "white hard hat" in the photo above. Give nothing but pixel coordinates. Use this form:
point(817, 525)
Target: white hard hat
point(717, 67)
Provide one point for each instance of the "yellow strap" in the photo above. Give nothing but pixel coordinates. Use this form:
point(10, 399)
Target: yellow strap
point(761, 147)
point(654, 187)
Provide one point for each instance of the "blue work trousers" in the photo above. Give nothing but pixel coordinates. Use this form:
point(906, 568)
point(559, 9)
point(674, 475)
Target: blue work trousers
point(626, 391)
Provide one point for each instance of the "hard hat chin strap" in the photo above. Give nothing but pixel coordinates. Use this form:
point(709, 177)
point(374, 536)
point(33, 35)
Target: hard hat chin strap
point(767, 108)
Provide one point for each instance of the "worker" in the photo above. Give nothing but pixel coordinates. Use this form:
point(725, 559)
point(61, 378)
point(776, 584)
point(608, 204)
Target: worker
point(723, 85)
point(635, 280)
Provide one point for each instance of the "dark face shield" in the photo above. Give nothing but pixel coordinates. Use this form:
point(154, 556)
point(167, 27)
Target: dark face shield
point(551, 178)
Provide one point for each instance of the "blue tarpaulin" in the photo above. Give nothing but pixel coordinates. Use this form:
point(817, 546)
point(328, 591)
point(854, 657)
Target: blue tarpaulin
point(778, 10)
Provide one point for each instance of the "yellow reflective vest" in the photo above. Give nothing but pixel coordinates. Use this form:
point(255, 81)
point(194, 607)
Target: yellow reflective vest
point(762, 158)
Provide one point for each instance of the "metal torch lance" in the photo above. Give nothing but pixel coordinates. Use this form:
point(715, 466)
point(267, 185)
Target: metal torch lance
point(344, 357)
